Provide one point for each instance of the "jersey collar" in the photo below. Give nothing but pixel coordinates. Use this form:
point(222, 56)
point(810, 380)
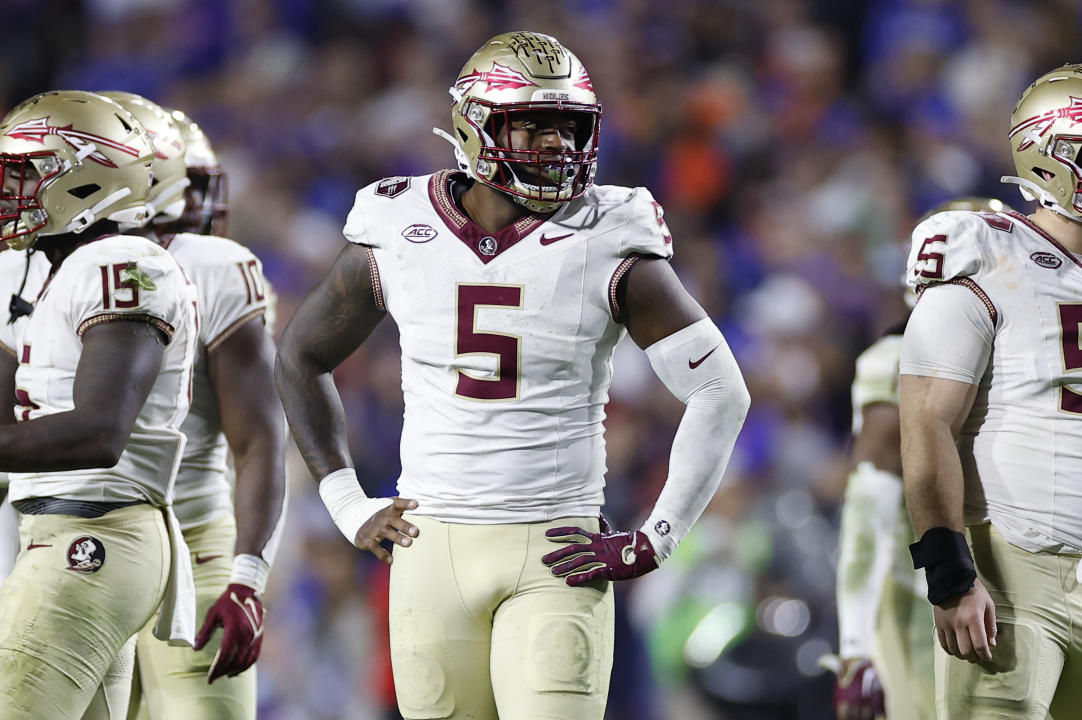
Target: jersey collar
point(485, 245)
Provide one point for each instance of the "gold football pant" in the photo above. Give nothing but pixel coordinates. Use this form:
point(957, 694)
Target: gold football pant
point(480, 629)
point(171, 682)
point(80, 589)
point(1037, 661)
point(903, 653)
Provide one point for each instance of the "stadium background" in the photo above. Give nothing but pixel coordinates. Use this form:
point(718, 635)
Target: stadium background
point(792, 143)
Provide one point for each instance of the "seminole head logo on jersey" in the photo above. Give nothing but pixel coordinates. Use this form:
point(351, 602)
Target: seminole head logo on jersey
point(36, 130)
point(1034, 128)
point(86, 554)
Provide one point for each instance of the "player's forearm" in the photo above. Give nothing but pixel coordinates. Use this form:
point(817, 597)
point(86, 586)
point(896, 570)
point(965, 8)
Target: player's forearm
point(934, 486)
point(314, 410)
point(73, 440)
point(259, 498)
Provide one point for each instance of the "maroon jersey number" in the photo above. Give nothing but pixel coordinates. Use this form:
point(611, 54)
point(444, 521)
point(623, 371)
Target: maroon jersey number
point(468, 341)
point(1070, 318)
point(930, 270)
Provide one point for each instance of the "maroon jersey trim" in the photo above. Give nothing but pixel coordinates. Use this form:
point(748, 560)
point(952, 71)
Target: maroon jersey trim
point(1030, 224)
point(377, 285)
point(470, 233)
point(979, 292)
point(233, 327)
point(614, 305)
point(165, 328)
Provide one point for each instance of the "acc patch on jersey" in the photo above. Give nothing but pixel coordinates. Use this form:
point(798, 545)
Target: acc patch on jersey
point(86, 554)
point(393, 186)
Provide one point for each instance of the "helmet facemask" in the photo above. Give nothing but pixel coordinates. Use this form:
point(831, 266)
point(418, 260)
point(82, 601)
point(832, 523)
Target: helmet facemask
point(540, 180)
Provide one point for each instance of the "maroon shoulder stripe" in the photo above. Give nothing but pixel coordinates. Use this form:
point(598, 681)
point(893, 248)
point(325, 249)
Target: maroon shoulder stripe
point(614, 282)
point(976, 290)
point(165, 328)
point(377, 285)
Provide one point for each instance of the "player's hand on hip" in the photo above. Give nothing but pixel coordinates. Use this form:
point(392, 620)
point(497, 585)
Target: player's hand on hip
point(858, 692)
point(966, 624)
point(239, 611)
point(587, 556)
point(387, 524)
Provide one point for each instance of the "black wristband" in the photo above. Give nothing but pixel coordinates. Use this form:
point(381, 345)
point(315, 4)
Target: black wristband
point(948, 563)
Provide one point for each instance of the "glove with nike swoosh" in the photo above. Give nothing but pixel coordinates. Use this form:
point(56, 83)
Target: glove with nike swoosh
point(604, 555)
point(239, 612)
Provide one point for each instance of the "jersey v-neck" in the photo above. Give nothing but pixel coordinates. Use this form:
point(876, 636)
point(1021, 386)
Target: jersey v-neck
point(485, 245)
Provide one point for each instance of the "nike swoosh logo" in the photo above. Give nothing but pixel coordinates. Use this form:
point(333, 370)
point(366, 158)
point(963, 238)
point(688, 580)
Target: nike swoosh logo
point(699, 362)
point(32, 546)
point(545, 240)
point(208, 558)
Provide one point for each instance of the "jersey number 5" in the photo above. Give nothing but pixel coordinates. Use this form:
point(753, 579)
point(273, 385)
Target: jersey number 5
point(1070, 319)
point(470, 342)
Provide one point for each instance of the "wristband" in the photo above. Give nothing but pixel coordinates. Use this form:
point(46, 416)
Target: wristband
point(947, 561)
point(349, 507)
point(250, 570)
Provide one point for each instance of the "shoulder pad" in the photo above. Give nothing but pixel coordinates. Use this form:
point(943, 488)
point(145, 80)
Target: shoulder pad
point(645, 232)
point(949, 245)
point(389, 188)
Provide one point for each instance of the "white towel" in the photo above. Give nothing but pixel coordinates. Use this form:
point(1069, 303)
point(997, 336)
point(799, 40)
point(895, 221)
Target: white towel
point(176, 621)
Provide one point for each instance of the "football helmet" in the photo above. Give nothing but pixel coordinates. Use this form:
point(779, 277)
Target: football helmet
point(1046, 141)
point(165, 199)
point(519, 72)
point(69, 159)
point(207, 195)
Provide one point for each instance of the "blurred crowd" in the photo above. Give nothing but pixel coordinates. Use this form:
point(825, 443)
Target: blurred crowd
point(793, 143)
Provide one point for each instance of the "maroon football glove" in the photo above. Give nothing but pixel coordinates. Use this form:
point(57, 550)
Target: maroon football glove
point(599, 556)
point(858, 694)
point(240, 612)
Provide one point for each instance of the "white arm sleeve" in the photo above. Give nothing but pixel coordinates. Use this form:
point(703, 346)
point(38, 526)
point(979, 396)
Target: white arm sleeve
point(949, 335)
point(696, 365)
point(869, 521)
point(347, 503)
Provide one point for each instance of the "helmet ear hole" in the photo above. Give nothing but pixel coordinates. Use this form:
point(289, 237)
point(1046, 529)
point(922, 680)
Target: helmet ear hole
point(84, 191)
point(462, 135)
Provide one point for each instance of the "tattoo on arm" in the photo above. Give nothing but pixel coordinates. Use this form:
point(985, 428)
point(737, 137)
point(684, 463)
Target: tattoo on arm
point(330, 323)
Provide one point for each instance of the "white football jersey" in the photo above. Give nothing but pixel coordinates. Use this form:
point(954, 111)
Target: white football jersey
point(507, 343)
point(1021, 445)
point(229, 283)
point(114, 278)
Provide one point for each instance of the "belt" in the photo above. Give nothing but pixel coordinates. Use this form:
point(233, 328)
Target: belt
point(63, 506)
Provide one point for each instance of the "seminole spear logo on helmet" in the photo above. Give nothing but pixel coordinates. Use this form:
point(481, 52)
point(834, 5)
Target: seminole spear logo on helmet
point(1034, 128)
point(500, 77)
point(36, 130)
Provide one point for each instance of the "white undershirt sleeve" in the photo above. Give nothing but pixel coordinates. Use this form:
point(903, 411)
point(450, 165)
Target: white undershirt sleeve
point(949, 335)
point(696, 365)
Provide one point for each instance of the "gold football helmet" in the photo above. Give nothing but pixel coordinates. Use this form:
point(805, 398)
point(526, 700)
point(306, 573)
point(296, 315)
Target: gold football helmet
point(166, 195)
point(524, 72)
point(69, 159)
point(207, 195)
point(1046, 140)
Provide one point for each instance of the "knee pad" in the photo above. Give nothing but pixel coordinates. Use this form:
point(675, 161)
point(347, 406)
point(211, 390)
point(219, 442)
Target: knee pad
point(422, 676)
point(561, 654)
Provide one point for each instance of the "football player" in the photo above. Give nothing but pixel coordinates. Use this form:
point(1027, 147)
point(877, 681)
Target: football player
point(101, 372)
point(234, 406)
point(511, 281)
point(883, 621)
point(991, 425)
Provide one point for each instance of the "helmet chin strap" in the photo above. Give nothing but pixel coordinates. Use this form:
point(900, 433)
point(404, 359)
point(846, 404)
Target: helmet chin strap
point(460, 157)
point(1032, 191)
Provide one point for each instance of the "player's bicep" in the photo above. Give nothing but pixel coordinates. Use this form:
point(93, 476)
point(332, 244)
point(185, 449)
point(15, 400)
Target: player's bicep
point(655, 303)
point(241, 371)
point(117, 369)
point(337, 315)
